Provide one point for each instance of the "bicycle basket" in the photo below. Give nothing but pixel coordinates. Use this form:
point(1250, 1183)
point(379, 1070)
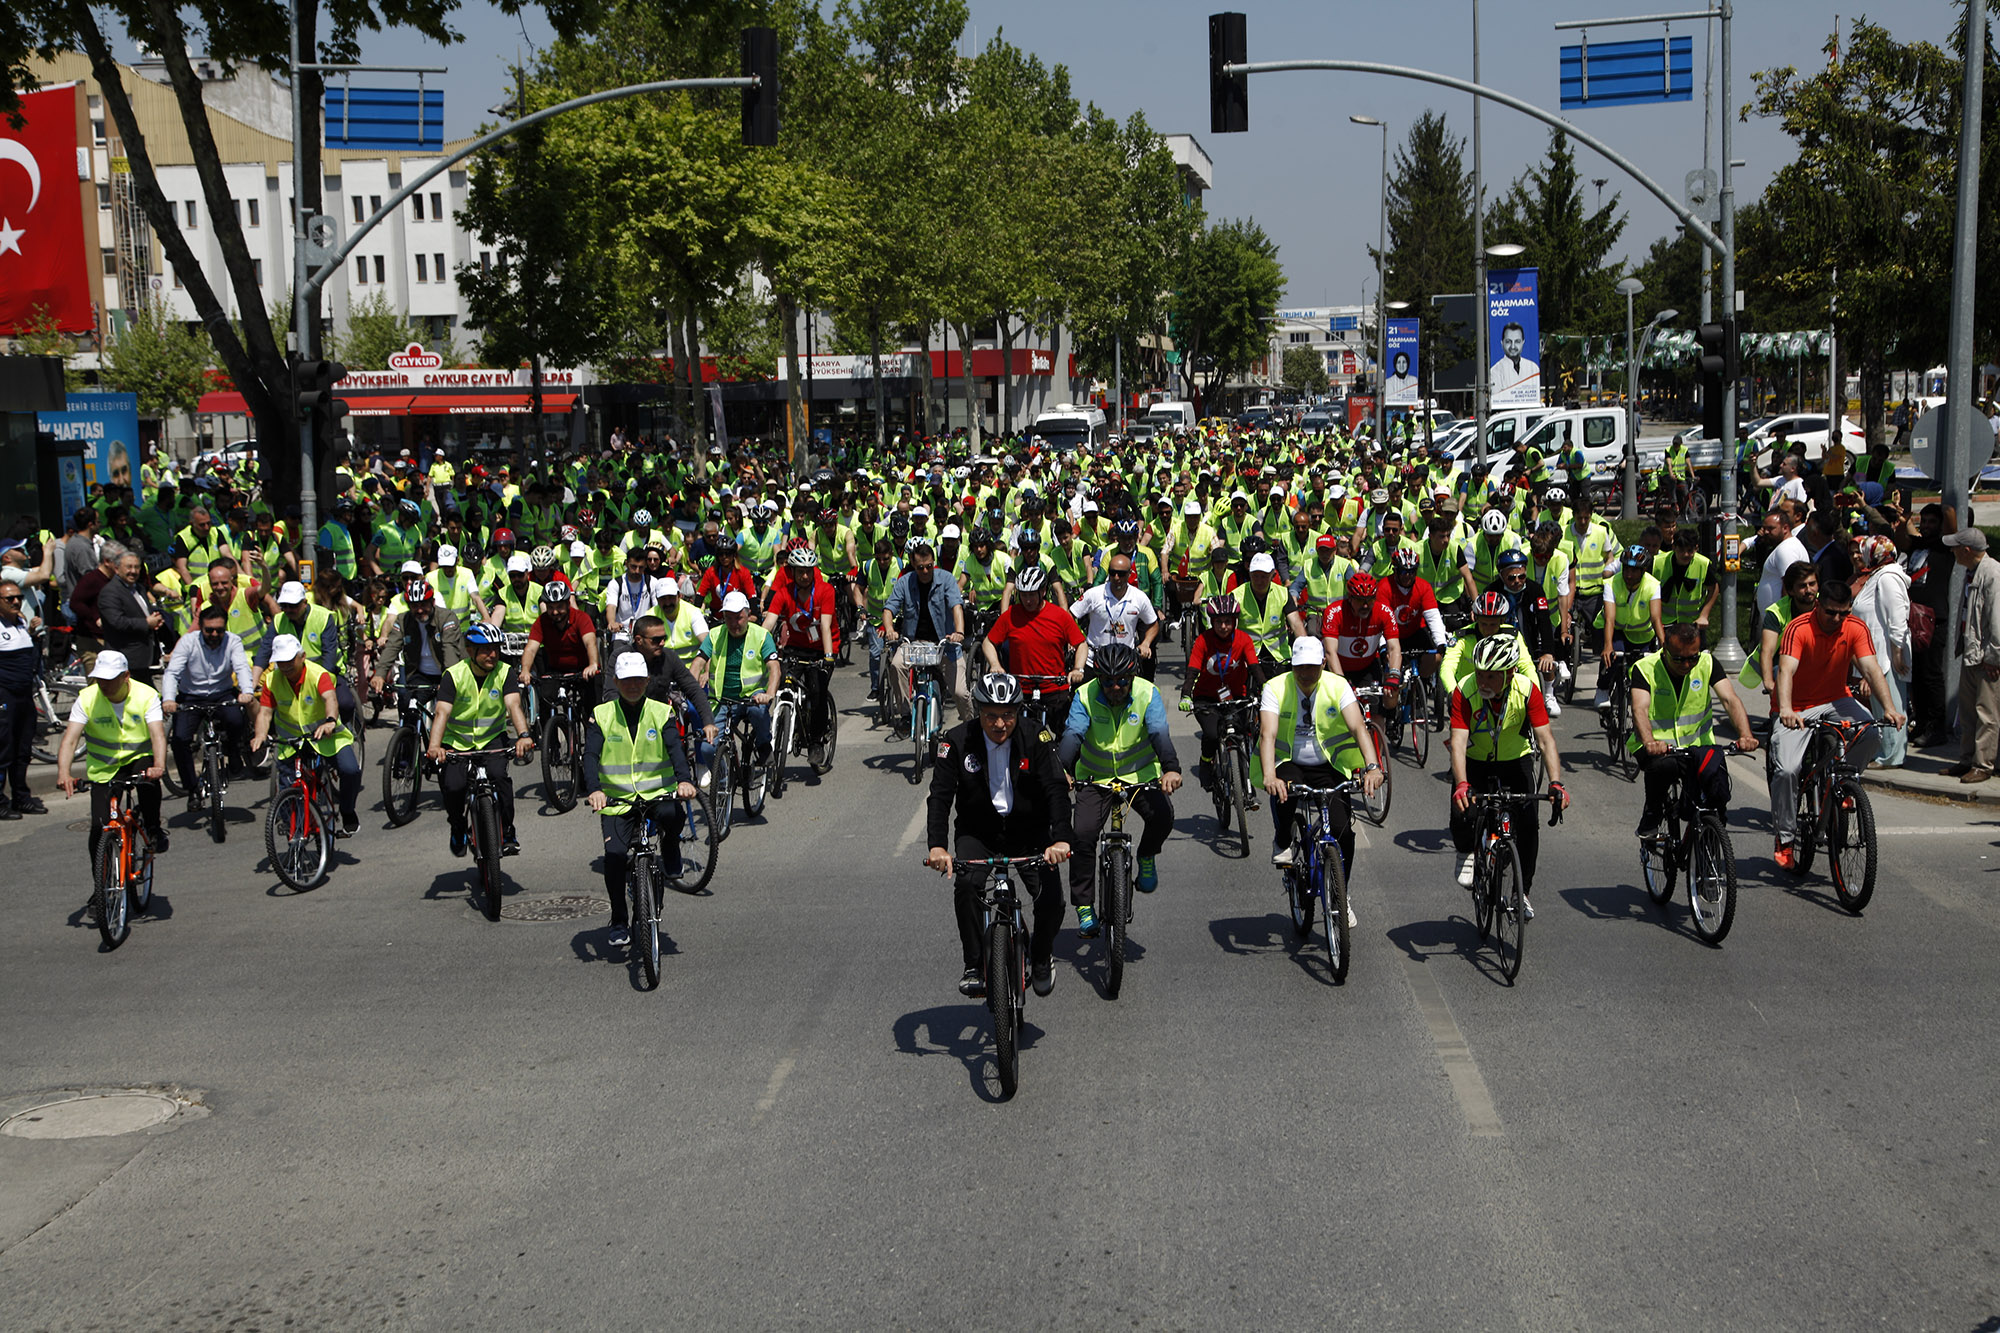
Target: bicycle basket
point(919, 654)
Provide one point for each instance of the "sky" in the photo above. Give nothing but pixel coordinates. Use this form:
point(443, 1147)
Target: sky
point(1308, 176)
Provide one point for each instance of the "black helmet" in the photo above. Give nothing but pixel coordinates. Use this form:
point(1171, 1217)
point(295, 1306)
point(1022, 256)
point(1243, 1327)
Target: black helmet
point(997, 689)
point(1116, 660)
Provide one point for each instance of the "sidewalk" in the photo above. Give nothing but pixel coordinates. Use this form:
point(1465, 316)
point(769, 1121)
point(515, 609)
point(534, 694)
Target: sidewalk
point(1923, 774)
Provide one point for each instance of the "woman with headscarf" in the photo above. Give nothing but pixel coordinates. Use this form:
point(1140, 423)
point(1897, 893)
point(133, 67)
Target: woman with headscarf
point(1882, 603)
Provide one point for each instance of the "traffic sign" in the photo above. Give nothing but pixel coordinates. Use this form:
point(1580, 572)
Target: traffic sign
point(1927, 438)
point(1627, 73)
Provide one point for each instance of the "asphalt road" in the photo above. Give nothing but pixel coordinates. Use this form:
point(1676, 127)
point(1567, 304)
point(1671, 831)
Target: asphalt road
point(406, 1116)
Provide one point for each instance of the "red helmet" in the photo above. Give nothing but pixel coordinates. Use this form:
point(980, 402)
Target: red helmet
point(418, 592)
point(503, 536)
point(1492, 604)
point(1361, 585)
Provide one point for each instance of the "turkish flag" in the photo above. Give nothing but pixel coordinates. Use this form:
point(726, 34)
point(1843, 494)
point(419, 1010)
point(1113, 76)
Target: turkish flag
point(42, 263)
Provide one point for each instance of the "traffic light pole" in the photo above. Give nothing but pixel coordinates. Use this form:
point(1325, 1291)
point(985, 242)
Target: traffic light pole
point(1729, 652)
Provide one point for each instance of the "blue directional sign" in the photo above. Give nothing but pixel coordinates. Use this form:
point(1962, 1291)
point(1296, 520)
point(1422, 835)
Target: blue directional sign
point(1628, 73)
point(391, 119)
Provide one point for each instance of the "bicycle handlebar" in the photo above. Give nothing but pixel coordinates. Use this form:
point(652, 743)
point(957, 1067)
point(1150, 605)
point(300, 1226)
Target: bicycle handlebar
point(1338, 789)
point(1000, 862)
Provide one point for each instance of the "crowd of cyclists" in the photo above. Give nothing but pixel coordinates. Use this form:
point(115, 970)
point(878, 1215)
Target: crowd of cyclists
point(1038, 591)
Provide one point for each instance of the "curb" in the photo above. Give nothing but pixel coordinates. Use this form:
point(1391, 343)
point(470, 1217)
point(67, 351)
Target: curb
point(1934, 787)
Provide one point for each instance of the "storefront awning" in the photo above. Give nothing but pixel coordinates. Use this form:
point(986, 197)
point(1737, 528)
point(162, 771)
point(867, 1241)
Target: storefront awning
point(378, 405)
point(226, 403)
point(487, 404)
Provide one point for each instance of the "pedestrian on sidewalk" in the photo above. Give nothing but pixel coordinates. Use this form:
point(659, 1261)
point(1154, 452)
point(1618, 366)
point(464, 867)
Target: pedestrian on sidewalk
point(1882, 603)
point(1930, 564)
point(1977, 643)
point(17, 703)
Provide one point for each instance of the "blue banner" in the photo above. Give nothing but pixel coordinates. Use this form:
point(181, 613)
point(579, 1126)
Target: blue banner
point(107, 425)
point(1400, 384)
point(1657, 69)
point(1513, 337)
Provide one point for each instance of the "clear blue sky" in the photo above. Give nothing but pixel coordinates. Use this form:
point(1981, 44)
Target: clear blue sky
point(1305, 173)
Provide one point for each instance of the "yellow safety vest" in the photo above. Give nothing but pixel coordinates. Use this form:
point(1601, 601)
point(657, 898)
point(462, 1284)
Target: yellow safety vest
point(1115, 744)
point(1265, 624)
point(748, 677)
point(115, 735)
point(1681, 714)
point(1329, 721)
point(294, 713)
point(1501, 733)
point(634, 765)
point(479, 713)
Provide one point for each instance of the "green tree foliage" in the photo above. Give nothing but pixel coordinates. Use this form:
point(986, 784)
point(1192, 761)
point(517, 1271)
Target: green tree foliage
point(1305, 370)
point(41, 335)
point(163, 362)
point(1568, 244)
point(1230, 284)
point(372, 332)
point(1430, 233)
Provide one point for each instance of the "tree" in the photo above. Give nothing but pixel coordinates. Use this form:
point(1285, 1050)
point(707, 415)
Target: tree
point(1229, 285)
point(41, 336)
point(1567, 245)
point(1305, 370)
point(1430, 234)
point(162, 361)
point(372, 333)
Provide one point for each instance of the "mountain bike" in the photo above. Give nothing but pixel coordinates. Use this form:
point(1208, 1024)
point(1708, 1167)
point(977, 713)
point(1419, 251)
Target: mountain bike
point(562, 742)
point(1411, 719)
point(734, 770)
point(208, 796)
point(1703, 849)
point(122, 874)
point(790, 719)
point(299, 826)
point(1316, 880)
point(1006, 961)
point(846, 617)
point(1229, 784)
point(1374, 702)
point(1617, 716)
point(1499, 891)
point(1037, 694)
point(405, 766)
point(1832, 803)
point(645, 881)
point(482, 808)
point(1114, 879)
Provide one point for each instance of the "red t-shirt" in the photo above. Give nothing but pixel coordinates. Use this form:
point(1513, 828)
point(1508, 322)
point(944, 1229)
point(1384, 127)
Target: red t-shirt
point(1222, 666)
point(563, 653)
point(713, 588)
point(1043, 644)
point(1358, 636)
point(1408, 608)
point(798, 624)
point(1825, 660)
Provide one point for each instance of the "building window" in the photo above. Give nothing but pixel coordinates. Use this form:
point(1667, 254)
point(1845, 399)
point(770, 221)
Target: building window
point(177, 277)
point(439, 261)
point(110, 263)
point(104, 196)
point(359, 216)
point(192, 218)
point(256, 212)
point(417, 205)
point(257, 267)
point(361, 268)
point(437, 206)
point(423, 269)
point(97, 129)
point(236, 207)
point(374, 204)
point(379, 269)
point(485, 261)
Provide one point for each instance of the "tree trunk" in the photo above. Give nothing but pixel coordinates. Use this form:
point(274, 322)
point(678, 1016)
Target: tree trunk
point(1873, 389)
point(696, 413)
point(927, 382)
point(1005, 425)
point(875, 356)
point(788, 317)
point(972, 431)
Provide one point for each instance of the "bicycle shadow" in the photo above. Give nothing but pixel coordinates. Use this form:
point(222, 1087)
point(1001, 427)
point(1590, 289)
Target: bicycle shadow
point(1421, 941)
point(161, 908)
point(280, 889)
point(199, 819)
point(1087, 957)
point(461, 884)
point(1423, 840)
point(1631, 902)
point(1251, 936)
point(963, 1031)
point(901, 762)
point(1204, 827)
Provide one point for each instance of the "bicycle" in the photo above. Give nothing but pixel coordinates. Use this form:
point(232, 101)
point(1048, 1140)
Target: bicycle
point(1411, 719)
point(925, 692)
point(1703, 849)
point(122, 872)
point(645, 880)
point(1832, 801)
point(405, 766)
point(1376, 806)
point(513, 643)
point(846, 617)
point(562, 748)
point(1035, 704)
point(208, 735)
point(55, 690)
point(734, 770)
point(788, 710)
point(1316, 880)
point(1229, 783)
point(1114, 879)
point(482, 807)
point(1006, 961)
point(1618, 716)
point(1499, 895)
point(299, 827)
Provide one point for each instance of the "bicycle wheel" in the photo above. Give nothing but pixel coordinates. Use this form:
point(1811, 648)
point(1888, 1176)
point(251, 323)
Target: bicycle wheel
point(722, 786)
point(701, 842)
point(486, 851)
point(1332, 891)
point(212, 775)
point(1621, 723)
point(1377, 806)
point(1510, 916)
point(783, 718)
point(1000, 993)
point(1809, 817)
point(920, 738)
point(298, 844)
point(1114, 893)
point(1656, 861)
point(108, 892)
point(1573, 656)
point(560, 767)
point(1850, 845)
point(402, 776)
point(1712, 879)
point(820, 753)
point(1299, 891)
point(645, 917)
point(755, 778)
point(48, 728)
point(1419, 735)
point(1482, 893)
point(1239, 797)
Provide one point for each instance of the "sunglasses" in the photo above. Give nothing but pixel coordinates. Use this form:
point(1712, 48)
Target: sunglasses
point(1686, 659)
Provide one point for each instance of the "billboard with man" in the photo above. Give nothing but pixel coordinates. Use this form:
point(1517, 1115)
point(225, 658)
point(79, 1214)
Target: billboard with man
point(1513, 337)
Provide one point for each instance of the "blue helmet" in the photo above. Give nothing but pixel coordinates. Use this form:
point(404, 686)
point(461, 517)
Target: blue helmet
point(1636, 557)
point(1512, 558)
point(482, 635)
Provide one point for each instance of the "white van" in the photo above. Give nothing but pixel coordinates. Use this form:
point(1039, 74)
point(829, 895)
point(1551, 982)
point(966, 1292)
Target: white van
point(1171, 414)
point(1067, 427)
point(1599, 431)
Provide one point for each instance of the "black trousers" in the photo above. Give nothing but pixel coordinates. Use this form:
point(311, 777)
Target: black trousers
point(1340, 814)
point(1929, 710)
point(1093, 808)
point(456, 778)
point(617, 830)
point(100, 804)
point(1704, 773)
point(181, 739)
point(17, 738)
point(1044, 886)
point(1502, 775)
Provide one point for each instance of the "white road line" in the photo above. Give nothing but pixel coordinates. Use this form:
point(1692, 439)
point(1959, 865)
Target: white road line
point(1935, 830)
point(1467, 1084)
point(915, 828)
point(778, 1077)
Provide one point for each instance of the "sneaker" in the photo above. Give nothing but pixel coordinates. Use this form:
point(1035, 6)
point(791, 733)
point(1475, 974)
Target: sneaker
point(1785, 856)
point(1282, 857)
point(158, 837)
point(1204, 773)
point(1554, 704)
point(1086, 921)
point(1527, 909)
point(194, 803)
point(972, 985)
point(1351, 922)
point(8, 812)
point(350, 824)
point(1649, 826)
point(1149, 876)
point(1043, 976)
point(510, 845)
point(457, 844)
point(30, 805)
point(1977, 775)
point(1465, 869)
point(620, 937)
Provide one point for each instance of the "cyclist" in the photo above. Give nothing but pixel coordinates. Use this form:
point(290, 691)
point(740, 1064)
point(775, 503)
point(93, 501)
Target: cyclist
point(455, 586)
point(1492, 616)
point(1419, 623)
point(871, 595)
point(982, 571)
point(1817, 655)
point(632, 756)
point(723, 577)
point(124, 735)
point(1534, 617)
point(1012, 800)
point(802, 612)
point(1492, 725)
point(1041, 640)
point(566, 636)
point(425, 639)
point(1310, 730)
point(297, 700)
point(518, 599)
point(1362, 635)
point(1592, 548)
point(1633, 623)
point(926, 609)
point(1439, 565)
point(208, 666)
point(1673, 694)
point(1269, 615)
point(1801, 592)
point(476, 700)
point(672, 678)
point(742, 664)
point(1317, 583)
point(635, 593)
point(1117, 728)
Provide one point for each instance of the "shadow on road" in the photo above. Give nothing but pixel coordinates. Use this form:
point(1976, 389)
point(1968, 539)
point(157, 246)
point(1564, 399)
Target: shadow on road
point(1424, 940)
point(963, 1031)
point(1629, 902)
point(1423, 839)
point(1273, 934)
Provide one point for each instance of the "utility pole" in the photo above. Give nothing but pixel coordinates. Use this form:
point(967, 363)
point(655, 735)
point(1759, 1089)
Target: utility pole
point(1482, 370)
point(1961, 372)
point(1728, 650)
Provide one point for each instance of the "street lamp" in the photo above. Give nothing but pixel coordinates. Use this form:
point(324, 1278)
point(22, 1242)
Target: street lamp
point(1381, 320)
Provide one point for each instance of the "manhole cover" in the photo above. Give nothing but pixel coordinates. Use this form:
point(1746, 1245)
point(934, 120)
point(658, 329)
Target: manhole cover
point(80, 826)
point(92, 1117)
point(563, 907)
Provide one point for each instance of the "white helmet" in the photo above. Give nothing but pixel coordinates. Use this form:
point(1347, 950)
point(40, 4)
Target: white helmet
point(1493, 523)
point(642, 518)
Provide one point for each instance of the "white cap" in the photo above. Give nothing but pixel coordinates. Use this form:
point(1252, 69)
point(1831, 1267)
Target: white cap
point(1308, 651)
point(447, 554)
point(519, 563)
point(110, 665)
point(735, 601)
point(578, 550)
point(921, 511)
point(412, 567)
point(291, 592)
point(1090, 507)
point(1262, 563)
point(1191, 506)
point(950, 530)
point(630, 666)
point(769, 506)
point(1378, 496)
point(286, 647)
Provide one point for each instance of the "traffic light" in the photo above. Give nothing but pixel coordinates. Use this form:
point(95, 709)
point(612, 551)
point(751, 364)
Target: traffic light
point(760, 104)
point(1717, 371)
point(313, 381)
point(1228, 94)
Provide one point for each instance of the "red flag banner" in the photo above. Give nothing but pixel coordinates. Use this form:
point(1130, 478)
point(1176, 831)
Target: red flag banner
point(41, 216)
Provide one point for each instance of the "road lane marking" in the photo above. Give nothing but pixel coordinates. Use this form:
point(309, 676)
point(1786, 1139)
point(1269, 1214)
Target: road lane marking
point(777, 1082)
point(1467, 1084)
point(915, 828)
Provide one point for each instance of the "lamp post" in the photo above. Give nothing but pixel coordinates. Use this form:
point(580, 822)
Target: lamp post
point(1629, 288)
point(1381, 323)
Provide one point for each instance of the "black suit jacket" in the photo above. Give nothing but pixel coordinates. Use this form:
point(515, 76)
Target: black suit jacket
point(1041, 813)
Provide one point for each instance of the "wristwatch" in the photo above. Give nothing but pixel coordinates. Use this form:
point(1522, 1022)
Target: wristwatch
point(1372, 768)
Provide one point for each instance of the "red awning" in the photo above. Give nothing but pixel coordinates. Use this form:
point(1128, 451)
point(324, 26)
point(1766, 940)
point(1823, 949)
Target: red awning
point(483, 404)
point(224, 403)
point(378, 405)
